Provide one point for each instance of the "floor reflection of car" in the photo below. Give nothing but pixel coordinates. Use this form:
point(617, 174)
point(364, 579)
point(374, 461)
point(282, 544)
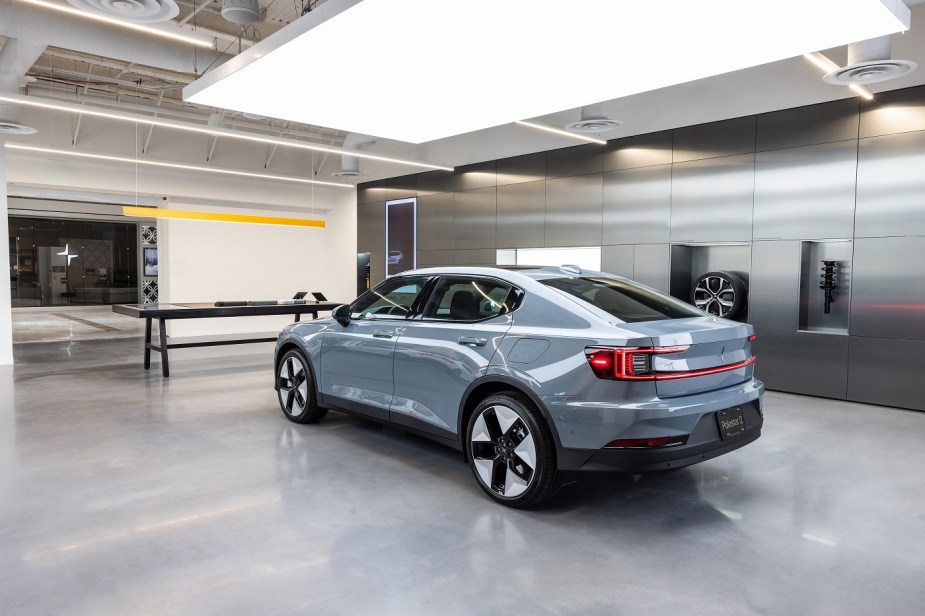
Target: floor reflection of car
point(395, 257)
point(554, 370)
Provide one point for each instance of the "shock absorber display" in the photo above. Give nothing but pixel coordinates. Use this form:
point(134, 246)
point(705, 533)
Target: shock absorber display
point(829, 283)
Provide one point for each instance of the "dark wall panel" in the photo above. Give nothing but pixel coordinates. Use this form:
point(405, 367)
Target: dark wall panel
point(526, 168)
point(725, 138)
point(823, 123)
point(887, 372)
point(802, 363)
point(806, 192)
point(371, 227)
point(637, 205)
point(891, 185)
point(479, 175)
point(711, 200)
point(435, 182)
point(638, 151)
point(573, 211)
point(474, 257)
point(435, 221)
point(475, 213)
point(434, 258)
point(888, 288)
point(521, 215)
point(894, 112)
point(576, 160)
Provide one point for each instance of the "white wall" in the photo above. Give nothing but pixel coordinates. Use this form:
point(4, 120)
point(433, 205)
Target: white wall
point(202, 261)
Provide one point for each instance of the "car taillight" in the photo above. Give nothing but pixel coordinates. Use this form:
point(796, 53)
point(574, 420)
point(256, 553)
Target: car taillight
point(634, 363)
point(752, 338)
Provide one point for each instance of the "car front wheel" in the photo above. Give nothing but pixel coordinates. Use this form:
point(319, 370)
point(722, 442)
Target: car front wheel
point(296, 389)
point(511, 451)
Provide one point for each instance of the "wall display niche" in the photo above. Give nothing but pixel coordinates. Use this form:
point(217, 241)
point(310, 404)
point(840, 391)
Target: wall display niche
point(149, 251)
point(400, 235)
point(714, 277)
point(825, 286)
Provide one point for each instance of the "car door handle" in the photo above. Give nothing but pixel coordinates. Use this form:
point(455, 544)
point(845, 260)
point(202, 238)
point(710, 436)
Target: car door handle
point(469, 341)
point(381, 333)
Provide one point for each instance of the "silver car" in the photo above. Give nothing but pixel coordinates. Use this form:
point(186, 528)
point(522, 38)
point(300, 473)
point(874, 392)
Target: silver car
point(530, 372)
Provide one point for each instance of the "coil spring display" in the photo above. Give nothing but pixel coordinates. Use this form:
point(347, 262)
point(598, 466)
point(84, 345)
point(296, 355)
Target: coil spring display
point(829, 283)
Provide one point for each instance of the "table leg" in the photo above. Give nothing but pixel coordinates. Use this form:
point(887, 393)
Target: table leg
point(147, 344)
point(165, 368)
point(297, 315)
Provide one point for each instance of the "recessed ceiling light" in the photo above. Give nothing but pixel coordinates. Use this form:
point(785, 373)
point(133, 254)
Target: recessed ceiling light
point(445, 68)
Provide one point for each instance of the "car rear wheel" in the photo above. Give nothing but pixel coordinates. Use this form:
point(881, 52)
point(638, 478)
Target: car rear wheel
point(511, 451)
point(296, 389)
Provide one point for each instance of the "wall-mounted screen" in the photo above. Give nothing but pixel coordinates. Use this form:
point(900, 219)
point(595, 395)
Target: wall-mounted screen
point(150, 255)
point(400, 236)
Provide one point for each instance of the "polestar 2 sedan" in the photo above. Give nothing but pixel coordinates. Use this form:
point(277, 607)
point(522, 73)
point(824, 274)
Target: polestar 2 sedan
point(530, 372)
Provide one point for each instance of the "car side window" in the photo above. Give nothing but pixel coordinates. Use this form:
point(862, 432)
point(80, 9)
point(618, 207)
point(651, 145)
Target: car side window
point(392, 299)
point(467, 299)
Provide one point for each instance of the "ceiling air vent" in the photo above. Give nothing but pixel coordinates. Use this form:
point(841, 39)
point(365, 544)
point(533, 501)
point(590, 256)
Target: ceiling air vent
point(140, 11)
point(593, 125)
point(12, 128)
point(870, 72)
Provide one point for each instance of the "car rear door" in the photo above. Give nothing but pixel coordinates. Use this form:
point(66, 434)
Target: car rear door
point(440, 352)
point(355, 371)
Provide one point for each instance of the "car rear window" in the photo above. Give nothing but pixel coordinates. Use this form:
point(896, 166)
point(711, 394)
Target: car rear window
point(626, 301)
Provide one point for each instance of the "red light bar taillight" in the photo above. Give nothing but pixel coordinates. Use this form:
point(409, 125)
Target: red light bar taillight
point(635, 364)
point(647, 443)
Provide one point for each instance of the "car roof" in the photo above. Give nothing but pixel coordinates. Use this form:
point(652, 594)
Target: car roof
point(513, 272)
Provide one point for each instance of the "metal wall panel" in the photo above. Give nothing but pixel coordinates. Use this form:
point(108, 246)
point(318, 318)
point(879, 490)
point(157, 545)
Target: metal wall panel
point(638, 151)
point(886, 372)
point(521, 215)
point(435, 221)
point(725, 138)
point(637, 205)
point(401, 187)
point(437, 181)
point(576, 160)
point(618, 260)
point(711, 200)
point(475, 213)
point(774, 286)
point(573, 211)
point(650, 265)
point(823, 123)
point(806, 192)
point(891, 185)
point(479, 175)
point(888, 295)
point(371, 227)
point(802, 363)
point(475, 257)
point(376, 266)
point(434, 258)
point(898, 111)
point(526, 168)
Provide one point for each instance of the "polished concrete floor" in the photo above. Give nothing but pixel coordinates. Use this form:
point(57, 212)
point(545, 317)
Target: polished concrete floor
point(124, 493)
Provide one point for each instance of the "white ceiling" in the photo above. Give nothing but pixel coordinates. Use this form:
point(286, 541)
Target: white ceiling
point(778, 85)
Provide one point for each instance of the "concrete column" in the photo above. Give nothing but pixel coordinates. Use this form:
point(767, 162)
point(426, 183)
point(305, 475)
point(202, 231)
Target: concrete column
point(6, 312)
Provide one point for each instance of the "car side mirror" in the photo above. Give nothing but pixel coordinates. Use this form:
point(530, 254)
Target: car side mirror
point(341, 314)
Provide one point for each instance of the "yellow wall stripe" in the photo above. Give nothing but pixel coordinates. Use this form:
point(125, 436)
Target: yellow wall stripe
point(151, 212)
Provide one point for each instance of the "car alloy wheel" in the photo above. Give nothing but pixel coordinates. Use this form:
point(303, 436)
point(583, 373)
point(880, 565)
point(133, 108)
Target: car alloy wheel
point(511, 454)
point(721, 294)
point(296, 389)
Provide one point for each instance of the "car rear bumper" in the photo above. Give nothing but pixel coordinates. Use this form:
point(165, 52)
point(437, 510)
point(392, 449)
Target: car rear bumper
point(703, 443)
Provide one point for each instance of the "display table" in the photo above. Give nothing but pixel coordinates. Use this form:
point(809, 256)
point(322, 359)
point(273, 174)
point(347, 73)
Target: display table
point(165, 312)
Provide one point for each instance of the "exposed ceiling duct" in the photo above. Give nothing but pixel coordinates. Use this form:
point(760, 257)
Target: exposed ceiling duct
point(350, 165)
point(243, 12)
point(16, 56)
point(593, 120)
point(870, 62)
point(139, 11)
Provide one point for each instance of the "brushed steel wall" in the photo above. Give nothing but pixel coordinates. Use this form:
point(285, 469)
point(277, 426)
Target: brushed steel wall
point(755, 195)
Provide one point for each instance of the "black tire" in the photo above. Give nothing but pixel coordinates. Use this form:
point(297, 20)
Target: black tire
point(498, 443)
point(296, 389)
point(720, 293)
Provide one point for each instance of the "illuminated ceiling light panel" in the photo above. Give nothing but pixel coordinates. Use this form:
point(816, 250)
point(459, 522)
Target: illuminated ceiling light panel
point(157, 163)
point(419, 70)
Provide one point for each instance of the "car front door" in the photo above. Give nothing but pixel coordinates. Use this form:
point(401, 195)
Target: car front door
point(356, 358)
point(440, 352)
